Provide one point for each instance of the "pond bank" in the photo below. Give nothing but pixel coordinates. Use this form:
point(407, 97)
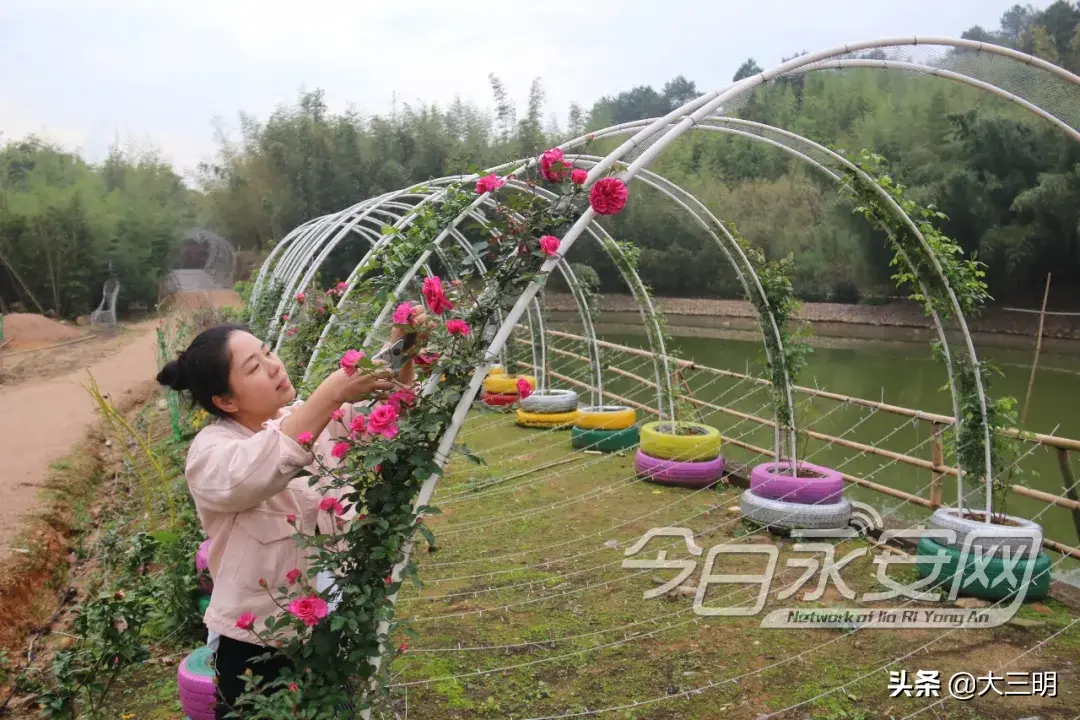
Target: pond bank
point(898, 321)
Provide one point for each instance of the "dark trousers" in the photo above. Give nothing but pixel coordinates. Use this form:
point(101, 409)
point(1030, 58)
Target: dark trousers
point(232, 659)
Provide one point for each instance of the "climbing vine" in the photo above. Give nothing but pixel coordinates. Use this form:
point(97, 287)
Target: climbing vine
point(965, 277)
point(262, 312)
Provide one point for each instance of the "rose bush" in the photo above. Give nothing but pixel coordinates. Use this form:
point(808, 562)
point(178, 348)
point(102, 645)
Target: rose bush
point(390, 447)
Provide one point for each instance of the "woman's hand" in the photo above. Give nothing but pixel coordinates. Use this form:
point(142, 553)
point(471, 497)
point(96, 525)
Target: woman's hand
point(360, 385)
point(419, 322)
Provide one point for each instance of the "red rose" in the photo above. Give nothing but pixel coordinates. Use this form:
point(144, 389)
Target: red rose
point(608, 196)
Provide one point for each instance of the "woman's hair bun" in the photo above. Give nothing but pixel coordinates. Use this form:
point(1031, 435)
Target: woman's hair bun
point(173, 376)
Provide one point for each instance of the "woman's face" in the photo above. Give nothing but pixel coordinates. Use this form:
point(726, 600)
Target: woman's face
point(258, 383)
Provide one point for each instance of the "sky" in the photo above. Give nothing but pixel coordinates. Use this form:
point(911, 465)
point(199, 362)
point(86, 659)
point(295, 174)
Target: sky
point(163, 74)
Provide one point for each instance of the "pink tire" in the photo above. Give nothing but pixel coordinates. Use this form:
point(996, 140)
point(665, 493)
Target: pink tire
point(694, 475)
point(198, 706)
point(194, 677)
point(825, 489)
point(202, 565)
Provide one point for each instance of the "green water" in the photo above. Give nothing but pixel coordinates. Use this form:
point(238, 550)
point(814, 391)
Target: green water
point(900, 374)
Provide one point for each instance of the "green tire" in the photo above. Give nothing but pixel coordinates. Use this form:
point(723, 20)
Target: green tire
point(604, 440)
point(990, 588)
point(204, 602)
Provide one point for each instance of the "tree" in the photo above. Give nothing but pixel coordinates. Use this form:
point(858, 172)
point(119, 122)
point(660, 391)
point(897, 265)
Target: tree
point(747, 69)
point(678, 91)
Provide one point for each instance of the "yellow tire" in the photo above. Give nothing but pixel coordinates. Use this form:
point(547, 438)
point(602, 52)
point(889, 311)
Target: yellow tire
point(609, 417)
point(496, 370)
point(700, 443)
point(546, 420)
point(506, 384)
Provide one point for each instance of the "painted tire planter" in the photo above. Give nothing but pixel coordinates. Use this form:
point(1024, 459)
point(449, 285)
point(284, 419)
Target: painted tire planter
point(607, 417)
point(496, 370)
point(701, 443)
point(694, 475)
point(990, 538)
point(546, 420)
point(202, 565)
point(204, 602)
point(1000, 582)
point(551, 401)
point(791, 516)
point(506, 384)
point(498, 399)
point(198, 707)
point(604, 440)
point(826, 488)
point(195, 681)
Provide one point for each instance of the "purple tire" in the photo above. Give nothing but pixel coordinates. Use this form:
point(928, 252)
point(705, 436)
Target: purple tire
point(825, 489)
point(694, 475)
point(202, 565)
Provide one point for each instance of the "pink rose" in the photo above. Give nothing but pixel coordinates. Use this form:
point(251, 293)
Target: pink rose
point(427, 359)
point(308, 609)
point(491, 183)
point(331, 505)
point(337, 415)
point(246, 621)
point(608, 196)
point(401, 314)
point(340, 288)
point(304, 438)
point(457, 327)
point(404, 647)
point(524, 388)
point(285, 317)
point(293, 687)
point(433, 293)
point(401, 398)
point(292, 576)
point(300, 298)
point(320, 310)
point(577, 176)
point(383, 421)
point(291, 519)
point(553, 165)
point(549, 244)
point(357, 425)
point(350, 359)
point(340, 450)
point(292, 331)
point(455, 283)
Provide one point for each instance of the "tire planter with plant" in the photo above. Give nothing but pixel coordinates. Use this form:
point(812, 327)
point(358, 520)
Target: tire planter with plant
point(195, 682)
point(604, 440)
point(607, 417)
point(202, 566)
point(551, 401)
point(814, 485)
point(1022, 537)
point(791, 516)
point(693, 442)
point(991, 578)
point(693, 475)
point(506, 384)
point(499, 400)
point(560, 420)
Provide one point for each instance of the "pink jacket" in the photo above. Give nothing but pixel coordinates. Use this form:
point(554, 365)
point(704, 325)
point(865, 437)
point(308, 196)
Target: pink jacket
point(245, 485)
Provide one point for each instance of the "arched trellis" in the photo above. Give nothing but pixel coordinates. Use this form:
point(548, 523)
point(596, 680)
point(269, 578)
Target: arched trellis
point(651, 138)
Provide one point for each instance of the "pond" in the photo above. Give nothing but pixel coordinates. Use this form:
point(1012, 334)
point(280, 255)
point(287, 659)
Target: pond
point(899, 373)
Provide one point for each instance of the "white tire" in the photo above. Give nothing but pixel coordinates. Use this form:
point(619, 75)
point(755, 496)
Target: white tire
point(1023, 537)
point(550, 401)
point(795, 516)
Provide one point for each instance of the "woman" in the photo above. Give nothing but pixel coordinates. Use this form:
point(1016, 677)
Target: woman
point(244, 472)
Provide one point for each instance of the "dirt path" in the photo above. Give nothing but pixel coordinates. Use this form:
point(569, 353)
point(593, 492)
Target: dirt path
point(41, 420)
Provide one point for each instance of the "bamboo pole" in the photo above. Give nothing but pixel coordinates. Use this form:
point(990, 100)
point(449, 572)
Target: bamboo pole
point(1039, 438)
point(1038, 349)
point(938, 458)
point(1070, 487)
